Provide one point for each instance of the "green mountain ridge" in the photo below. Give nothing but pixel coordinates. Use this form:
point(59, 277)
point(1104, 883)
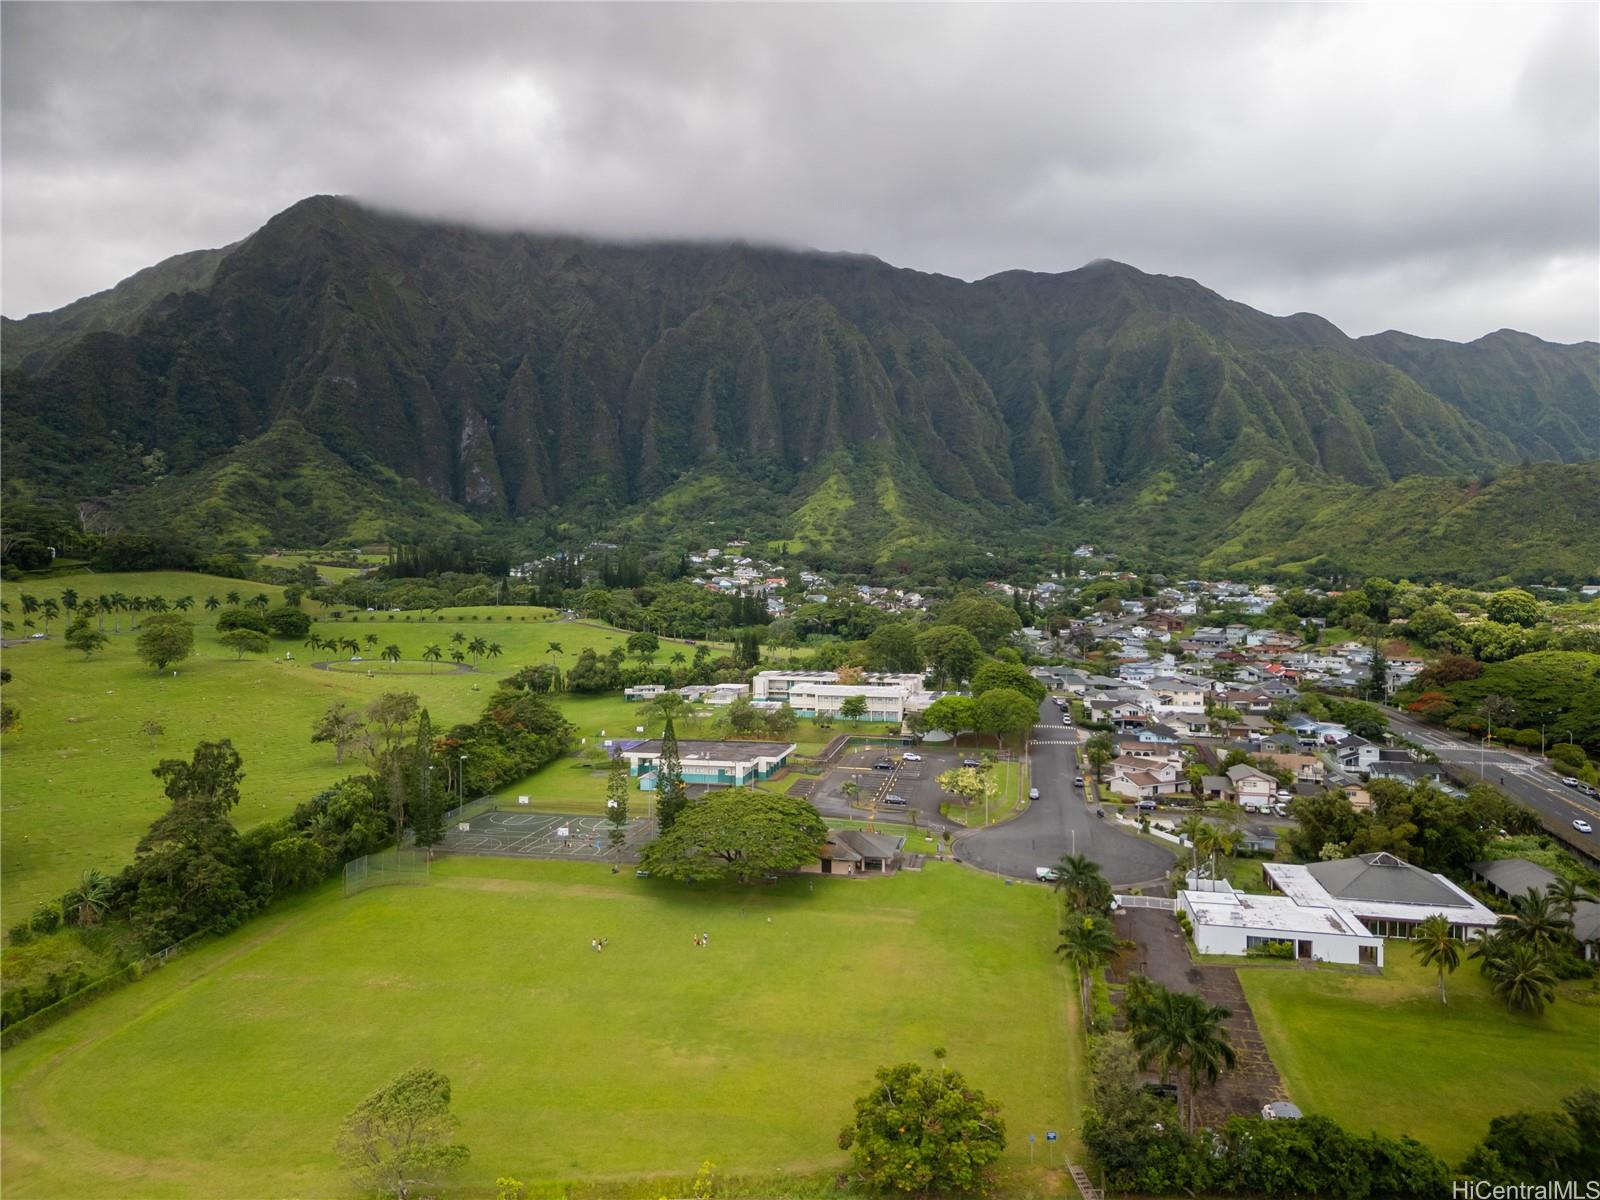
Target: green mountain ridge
point(829, 399)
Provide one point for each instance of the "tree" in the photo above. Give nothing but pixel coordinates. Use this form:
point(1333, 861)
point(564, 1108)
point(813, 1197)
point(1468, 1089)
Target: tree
point(737, 833)
point(1513, 606)
point(84, 637)
point(617, 800)
point(287, 622)
point(212, 604)
point(643, 646)
point(391, 654)
point(1099, 750)
point(1536, 921)
point(853, 708)
point(88, 901)
point(1436, 946)
point(152, 729)
point(989, 621)
point(371, 642)
point(1567, 894)
point(1182, 1032)
point(1521, 977)
point(925, 1133)
point(892, 646)
point(1080, 880)
point(996, 674)
point(670, 793)
point(338, 726)
point(432, 654)
point(49, 609)
point(1087, 944)
point(397, 1141)
point(165, 640)
point(1005, 714)
point(244, 641)
point(950, 651)
point(954, 715)
point(966, 782)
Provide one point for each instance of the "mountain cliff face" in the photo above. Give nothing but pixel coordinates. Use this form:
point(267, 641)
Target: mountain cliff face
point(511, 374)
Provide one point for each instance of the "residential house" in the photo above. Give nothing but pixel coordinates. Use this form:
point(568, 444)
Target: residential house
point(1252, 789)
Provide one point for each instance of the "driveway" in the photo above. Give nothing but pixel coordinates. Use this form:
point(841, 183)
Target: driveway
point(1060, 823)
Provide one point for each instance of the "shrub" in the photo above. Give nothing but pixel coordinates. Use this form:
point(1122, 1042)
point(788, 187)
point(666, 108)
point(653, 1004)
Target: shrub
point(287, 622)
point(21, 934)
point(243, 618)
point(46, 918)
point(1270, 950)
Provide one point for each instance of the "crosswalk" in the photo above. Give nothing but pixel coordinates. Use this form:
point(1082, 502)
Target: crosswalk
point(1054, 741)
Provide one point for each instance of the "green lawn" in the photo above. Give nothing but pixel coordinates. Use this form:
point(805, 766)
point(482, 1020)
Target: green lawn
point(227, 1073)
point(77, 788)
point(1382, 1053)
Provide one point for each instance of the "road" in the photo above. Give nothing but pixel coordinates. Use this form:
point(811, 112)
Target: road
point(1059, 822)
point(1523, 777)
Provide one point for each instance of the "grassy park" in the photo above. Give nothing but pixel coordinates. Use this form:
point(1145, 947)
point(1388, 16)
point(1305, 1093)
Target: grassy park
point(208, 1078)
point(1381, 1052)
point(78, 791)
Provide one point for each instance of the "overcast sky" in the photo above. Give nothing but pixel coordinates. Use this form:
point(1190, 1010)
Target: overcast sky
point(1432, 169)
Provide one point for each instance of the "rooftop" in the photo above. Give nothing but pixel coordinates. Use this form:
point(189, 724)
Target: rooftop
point(697, 751)
point(1280, 914)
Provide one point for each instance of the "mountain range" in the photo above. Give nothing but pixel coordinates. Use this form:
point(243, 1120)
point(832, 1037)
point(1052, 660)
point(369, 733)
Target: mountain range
point(346, 371)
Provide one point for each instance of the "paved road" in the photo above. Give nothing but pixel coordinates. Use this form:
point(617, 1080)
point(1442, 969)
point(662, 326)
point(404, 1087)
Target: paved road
point(1524, 777)
point(1059, 822)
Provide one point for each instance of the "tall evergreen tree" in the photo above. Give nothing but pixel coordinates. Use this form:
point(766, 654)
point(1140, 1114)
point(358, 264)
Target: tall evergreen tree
point(617, 801)
point(427, 805)
point(670, 794)
point(1378, 681)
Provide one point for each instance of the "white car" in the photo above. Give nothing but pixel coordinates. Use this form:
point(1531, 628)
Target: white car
point(1566, 779)
point(1583, 826)
point(1046, 874)
point(1033, 793)
point(910, 757)
point(1066, 720)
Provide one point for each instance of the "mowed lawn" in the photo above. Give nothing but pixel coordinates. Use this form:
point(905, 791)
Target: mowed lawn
point(1381, 1053)
point(227, 1074)
point(77, 786)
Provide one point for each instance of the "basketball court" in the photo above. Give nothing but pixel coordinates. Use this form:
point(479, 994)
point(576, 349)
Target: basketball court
point(522, 834)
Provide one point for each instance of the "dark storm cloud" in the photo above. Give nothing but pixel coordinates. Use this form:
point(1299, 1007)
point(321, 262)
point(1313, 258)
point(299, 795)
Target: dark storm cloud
point(1428, 168)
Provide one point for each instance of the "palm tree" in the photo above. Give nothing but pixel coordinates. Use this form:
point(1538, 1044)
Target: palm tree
point(553, 649)
point(183, 603)
point(1567, 894)
point(49, 608)
point(212, 604)
point(91, 897)
point(1214, 840)
point(457, 638)
point(1535, 921)
point(1522, 978)
point(851, 790)
point(1184, 1032)
point(136, 605)
point(1099, 750)
point(103, 605)
point(260, 600)
point(30, 604)
point(1080, 879)
point(391, 654)
point(371, 640)
point(119, 603)
point(313, 643)
point(1087, 944)
point(69, 599)
point(156, 604)
point(494, 650)
point(477, 647)
point(1192, 827)
point(233, 599)
point(457, 657)
point(432, 654)
point(351, 645)
point(1436, 946)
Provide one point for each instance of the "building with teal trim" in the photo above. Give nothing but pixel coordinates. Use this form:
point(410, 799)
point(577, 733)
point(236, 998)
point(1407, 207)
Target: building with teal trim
point(710, 764)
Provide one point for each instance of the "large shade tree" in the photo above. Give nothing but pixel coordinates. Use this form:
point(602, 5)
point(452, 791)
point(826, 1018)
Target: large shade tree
point(737, 833)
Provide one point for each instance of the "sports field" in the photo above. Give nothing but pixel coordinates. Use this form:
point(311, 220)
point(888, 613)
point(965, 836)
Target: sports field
point(77, 788)
point(227, 1073)
point(1381, 1053)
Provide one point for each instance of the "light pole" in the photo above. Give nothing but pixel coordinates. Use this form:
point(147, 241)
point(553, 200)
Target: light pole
point(461, 787)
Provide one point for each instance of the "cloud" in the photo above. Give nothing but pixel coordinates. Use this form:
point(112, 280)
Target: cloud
point(1406, 167)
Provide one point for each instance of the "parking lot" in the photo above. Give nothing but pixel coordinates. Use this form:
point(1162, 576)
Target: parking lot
point(914, 780)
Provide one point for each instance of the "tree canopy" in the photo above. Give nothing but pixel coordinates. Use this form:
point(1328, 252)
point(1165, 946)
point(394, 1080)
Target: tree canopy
point(737, 833)
point(924, 1132)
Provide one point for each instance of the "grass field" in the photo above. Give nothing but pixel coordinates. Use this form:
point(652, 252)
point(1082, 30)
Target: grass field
point(78, 791)
point(227, 1073)
point(1381, 1052)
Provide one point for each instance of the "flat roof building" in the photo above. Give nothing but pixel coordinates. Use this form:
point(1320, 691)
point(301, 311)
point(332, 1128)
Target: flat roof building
point(717, 764)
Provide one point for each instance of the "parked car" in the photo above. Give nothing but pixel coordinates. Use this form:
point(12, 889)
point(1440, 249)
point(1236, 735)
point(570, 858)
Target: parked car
point(1566, 779)
point(1066, 720)
point(1281, 809)
point(895, 801)
point(908, 756)
point(1033, 793)
point(1582, 826)
point(1046, 874)
point(1078, 779)
point(1146, 806)
point(971, 762)
point(883, 764)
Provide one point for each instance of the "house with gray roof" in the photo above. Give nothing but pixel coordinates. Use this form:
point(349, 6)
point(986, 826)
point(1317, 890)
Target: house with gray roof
point(1508, 877)
point(1385, 893)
